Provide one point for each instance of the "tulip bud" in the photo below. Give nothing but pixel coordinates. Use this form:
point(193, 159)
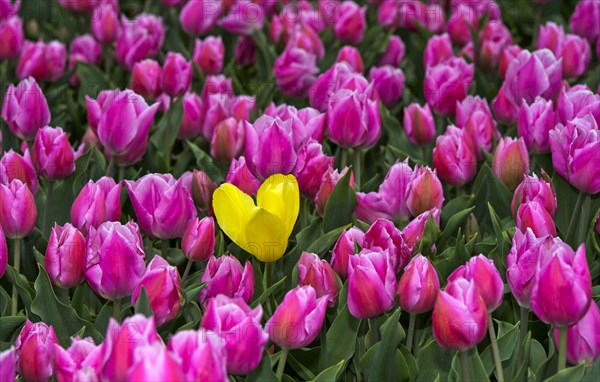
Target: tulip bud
point(18, 211)
point(486, 278)
point(164, 290)
point(353, 120)
point(244, 17)
point(314, 271)
point(42, 61)
point(25, 109)
point(394, 53)
point(352, 57)
point(228, 140)
point(35, 346)
point(139, 39)
point(383, 235)
point(96, 203)
point(505, 109)
point(562, 286)
point(576, 56)
point(298, 319)
point(198, 243)
point(65, 256)
point(419, 286)
point(295, 71)
point(453, 158)
point(11, 38)
point(208, 54)
point(192, 120)
point(245, 51)
point(310, 167)
point(584, 20)
point(388, 83)
point(583, 338)
point(240, 328)
point(328, 83)
point(474, 116)
point(419, 124)
point(438, 50)
point(413, 232)
point(343, 249)
point(330, 179)
point(240, 176)
point(459, 316)
point(506, 57)
point(447, 83)
point(534, 189)
point(351, 23)
point(533, 74)
point(576, 152)
point(533, 215)
point(16, 166)
point(424, 191)
point(462, 17)
point(202, 190)
point(201, 354)
point(511, 162)
point(495, 37)
point(176, 75)
point(8, 362)
point(521, 264)
point(114, 259)
point(105, 22)
point(199, 17)
point(53, 155)
point(225, 275)
point(551, 36)
point(534, 124)
point(78, 362)
point(371, 283)
point(145, 79)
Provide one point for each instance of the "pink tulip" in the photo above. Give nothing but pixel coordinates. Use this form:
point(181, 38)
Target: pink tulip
point(454, 160)
point(459, 317)
point(78, 362)
point(534, 124)
point(510, 163)
point(208, 54)
point(506, 57)
point(198, 243)
point(240, 176)
point(339, 76)
point(584, 21)
point(176, 75)
point(351, 23)
point(198, 17)
point(505, 109)
point(394, 52)
point(461, 18)
point(106, 25)
point(295, 71)
point(424, 191)
point(8, 362)
point(9, 8)
point(53, 155)
point(389, 202)
point(114, 259)
point(521, 264)
point(534, 189)
point(352, 57)
point(533, 74)
point(304, 37)
point(562, 286)
point(240, 328)
point(413, 232)
point(245, 51)
point(225, 275)
point(192, 120)
point(16, 166)
point(533, 215)
point(65, 256)
point(577, 102)
point(202, 355)
point(244, 17)
point(437, 50)
point(576, 153)
point(552, 36)
point(583, 338)
point(576, 56)
point(328, 183)
point(371, 283)
point(121, 344)
point(388, 83)
point(18, 211)
point(25, 109)
point(11, 38)
point(202, 189)
point(311, 165)
point(145, 79)
point(303, 124)
point(163, 288)
point(495, 37)
point(298, 319)
point(317, 273)
point(155, 362)
point(79, 5)
point(139, 39)
point(42, 61)
point(474, 116)
point(419, 124)
point(419, 286)
point(97, 203)
point(447, 83)
point(35, 346)
point(343, 249)
point(228, 140)
point(483, 273)
point(353, 120)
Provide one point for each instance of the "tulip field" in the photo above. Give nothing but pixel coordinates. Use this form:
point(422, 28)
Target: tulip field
point(327, 191)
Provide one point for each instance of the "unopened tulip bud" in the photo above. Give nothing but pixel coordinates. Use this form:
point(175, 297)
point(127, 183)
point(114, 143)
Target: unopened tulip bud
point(18, 211)
point(486, 278)
point(16, 166)
point(551, 36)
point(208, 54)
point(25, 109)
point(576, 56)
point(394, 52)
point(65, 256)
point(106, 25)
point(199, 17)
point(42, 61)
point(53, 155)
point(388, 83)
point(96, 203)
point(228, 140)
point(447, 83)
point(176, 75)
point(244, 17)
point(353, 120)
point(454, 160)
point(510, 163)
point(201, 354)
point(533, 215)
point(534, 189)
point(419, 124)
point(225, 275)
point(316, 272)
point(438, 50)
point(295, 71)
point(11, 38)
point(418, 287)
point(424, 191)
point(145, 79)
point(352, 57)
point(35, 351)
point(198, 243)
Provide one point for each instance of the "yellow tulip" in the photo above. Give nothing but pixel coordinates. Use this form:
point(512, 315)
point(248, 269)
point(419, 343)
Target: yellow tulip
point(262, 229)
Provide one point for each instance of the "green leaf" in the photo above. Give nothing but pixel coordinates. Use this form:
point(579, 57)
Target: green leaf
point(53, 312)
point(506, 346)
point(326, 241)
point(340, 206)
point(433, 361)
point(166, 133)
point(142, 305)
point(476, 369)
point(341, 337)
point(454, 223)
point(8, 325)
point(92, 79)
point(330, 374)
point(264, 371)
point(570, 374)
point(26, 293)
point(267, 293)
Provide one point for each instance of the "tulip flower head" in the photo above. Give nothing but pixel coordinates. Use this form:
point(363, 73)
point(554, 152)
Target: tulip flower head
point(262, 228)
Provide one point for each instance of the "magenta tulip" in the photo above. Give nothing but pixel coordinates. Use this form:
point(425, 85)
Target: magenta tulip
point(16, 166)
point(311, 165)
point(114, 259)
point(351, 23)
point(533, 74)
point(583, 338)
point(18, 211)
point(106, 25)
point(9, 8)
point(245, 51)
point(42, 61)
point(202, 190)
point(35, 348)
point(505, 109)
point(97, 203)
point(562, 286)
point(424, 191)
point(202, 355)
point(330, 82)
point(495, 38)
point(316, 272)
point(225, 275)
point(533, 215)
point(510, 163)
point(240, 328)
point(294, 71)
point(53, 155)
point(8, 363)
point(534, 124)
point(486, 278)
point(145, 79)
point(584, 21)
point(577, 102)
point(462, 17)
point(371, 283)
point(25, 109)
point(576, 56)
point(459, 317)
point(244, 17)
point(521, 264)
point(343, 249)
point(507, 55)
point(228, 139)
point(454, 160)
point(198, 243)
point(534, 189)
point(139, 39)
point(447, 83)
point(413, 232)
point(192, 120)
point(474, 116)
point(65, 256)
point(419, 124)
point(353, 120)
point(208, 55)
point(551, 36)
point(78, 362)
point(419, 286)
point(352, 57)
point(176, 75)
point(437, 50)
point(11, 38)
point(240, 176)
point(388, 83)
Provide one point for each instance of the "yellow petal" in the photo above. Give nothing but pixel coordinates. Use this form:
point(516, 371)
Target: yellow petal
point(280, 195)
point(266, 236)
point(233, 208)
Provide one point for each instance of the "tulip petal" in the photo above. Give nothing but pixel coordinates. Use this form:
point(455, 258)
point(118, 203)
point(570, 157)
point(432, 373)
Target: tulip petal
point(232, 207)
point(280, 195)
point(266, 235)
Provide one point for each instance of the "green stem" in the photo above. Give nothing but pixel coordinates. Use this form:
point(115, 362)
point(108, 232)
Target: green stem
point(268, 275)
point(523, 327)
point(323, 338)
point(188, 267)
point(464, 363)
point(373, 330)
point(117, 309)
point(562, 349)
point(63, 294)
point(164, 248)
point(411, 331)
point(584, 220)
point(344, 158)
point(110, 169)
point(574, 217)
point(17, 264)
point(305, 212)
point(49, 190)
point(281, 364)
point(356, 165)
point(121, 173)
point(495, 351)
